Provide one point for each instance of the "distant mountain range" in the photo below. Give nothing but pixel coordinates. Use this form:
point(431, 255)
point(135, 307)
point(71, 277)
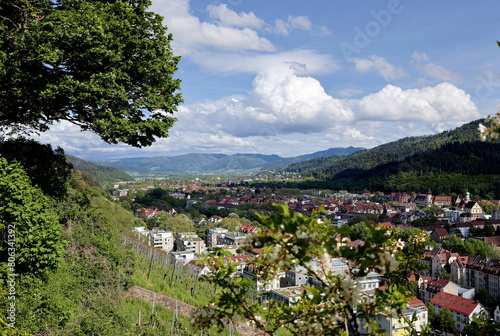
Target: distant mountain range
point(450, 162)
point(214, 163)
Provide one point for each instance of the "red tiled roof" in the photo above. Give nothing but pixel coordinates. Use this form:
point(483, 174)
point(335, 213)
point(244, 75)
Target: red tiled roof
point(454, 303)
point(438, 284)
point(441, 232)
point(388, 225)
point(414, 302)
point(495, 240)
point(247, 228)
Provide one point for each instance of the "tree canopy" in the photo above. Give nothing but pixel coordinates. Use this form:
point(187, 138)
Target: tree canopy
point(106, 66)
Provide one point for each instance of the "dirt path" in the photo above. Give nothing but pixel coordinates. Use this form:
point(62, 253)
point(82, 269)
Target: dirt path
point(182, 307)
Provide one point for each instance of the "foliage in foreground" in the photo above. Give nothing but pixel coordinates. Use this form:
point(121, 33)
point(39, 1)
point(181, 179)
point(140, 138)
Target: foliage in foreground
point(71, 291)
point(30, 234)
point(337, 304)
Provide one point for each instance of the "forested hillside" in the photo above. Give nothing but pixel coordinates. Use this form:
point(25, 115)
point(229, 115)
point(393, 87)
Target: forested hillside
point(452, 168)
point(398, 150)
point(450, 162)
point(100, 173)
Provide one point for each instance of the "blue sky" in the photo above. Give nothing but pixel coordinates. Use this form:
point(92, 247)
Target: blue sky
point(294, 77)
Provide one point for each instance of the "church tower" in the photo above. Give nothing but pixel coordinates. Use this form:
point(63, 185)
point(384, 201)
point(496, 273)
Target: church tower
point(428, 198)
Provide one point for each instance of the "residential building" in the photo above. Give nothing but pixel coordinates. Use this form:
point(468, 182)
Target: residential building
point(463, 228)
point(294, 278)
point(182, 257)
point(441, 201)
point(161, 239)
point(431, 287)
point(458, 269)
point(400, 197)
point(466, 292)
point(464, 310)
point(212, 235)
point(215, 219)
point(232, 238)
point(263, 286)
point(199, 268)
point(495, 240)
point(120, 193)
point(298, 276)
point(440, 260)
point(484, 273)
point(141, 230)
point(178, 195)
point(338, 220)
point(189, 241)
point(439, 234)
point(397, 325)
point(472, 209)
point(496, 314)
point(423, 200)
point(288, 295)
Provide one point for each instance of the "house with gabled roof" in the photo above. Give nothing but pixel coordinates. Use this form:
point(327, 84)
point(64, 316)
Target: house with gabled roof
point(247, 228)
point(436, 259)
point(400, 197)
point(496, 314)
point(439, 234)
point(441, 201)
point(472, 209)
point(430, 287)
point(458, 269)
point(494, 240)
point(464, 310)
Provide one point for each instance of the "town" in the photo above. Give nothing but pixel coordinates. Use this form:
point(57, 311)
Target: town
point(456, 279)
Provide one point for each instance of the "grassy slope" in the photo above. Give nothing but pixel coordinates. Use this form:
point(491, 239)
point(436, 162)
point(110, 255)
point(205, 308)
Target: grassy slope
point(85, 295)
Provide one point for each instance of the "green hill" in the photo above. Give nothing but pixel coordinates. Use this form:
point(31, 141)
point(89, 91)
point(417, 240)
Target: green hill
point(102, 174)
point(400, 149)
point(448, 162)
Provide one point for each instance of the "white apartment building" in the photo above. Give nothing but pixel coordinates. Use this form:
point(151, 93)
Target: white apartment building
point(162, 239)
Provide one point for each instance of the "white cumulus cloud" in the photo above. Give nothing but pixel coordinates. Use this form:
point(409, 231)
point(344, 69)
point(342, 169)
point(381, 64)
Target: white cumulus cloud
point(443, 103)
point(286, 108)
point(380, 66)
point(283, 102)
point(228, 17)
point(191, 34)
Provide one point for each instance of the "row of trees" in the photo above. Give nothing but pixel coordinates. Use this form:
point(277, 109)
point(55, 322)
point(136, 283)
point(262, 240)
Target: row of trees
point(470, 247)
